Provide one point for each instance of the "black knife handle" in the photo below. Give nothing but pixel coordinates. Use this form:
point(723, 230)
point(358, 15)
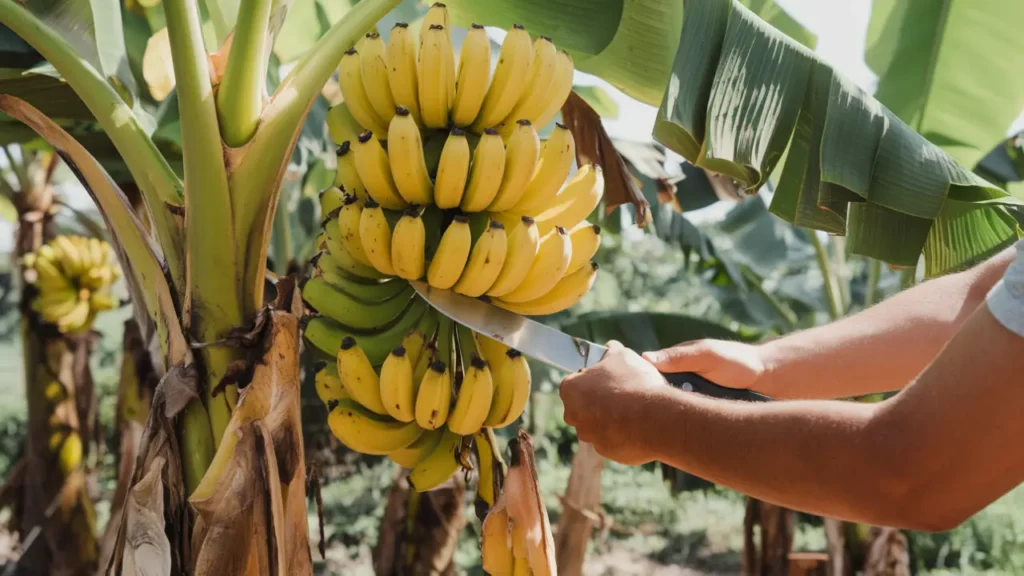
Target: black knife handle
point(691, 382)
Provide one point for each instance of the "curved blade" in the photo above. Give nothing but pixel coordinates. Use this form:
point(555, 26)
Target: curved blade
point(532, 338)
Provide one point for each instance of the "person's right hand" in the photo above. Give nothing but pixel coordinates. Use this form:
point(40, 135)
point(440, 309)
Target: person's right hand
point(732, 364)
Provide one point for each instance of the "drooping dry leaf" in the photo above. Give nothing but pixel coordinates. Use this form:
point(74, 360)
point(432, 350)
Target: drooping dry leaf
point(593, 145)
point(526, 508)
point(147, 551)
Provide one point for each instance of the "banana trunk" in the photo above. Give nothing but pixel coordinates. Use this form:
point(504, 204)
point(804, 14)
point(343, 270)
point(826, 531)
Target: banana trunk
point(61, 419)
point(419, 531)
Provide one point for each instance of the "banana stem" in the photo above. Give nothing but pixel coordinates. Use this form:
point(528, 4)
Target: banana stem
point(874, 277)
point(444, 342)
point(214, 274)
point(221, 28)
point(197, 444)
point(282, 235)
point(240, 96)
point(827, 278)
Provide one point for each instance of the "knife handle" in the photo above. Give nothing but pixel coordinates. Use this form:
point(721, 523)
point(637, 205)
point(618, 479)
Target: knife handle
point(691, 382)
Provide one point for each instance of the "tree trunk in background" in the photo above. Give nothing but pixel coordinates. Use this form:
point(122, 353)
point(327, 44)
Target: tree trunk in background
point(135, 389)
point(838, 552)
point(419, 531)
point(770, 555)
point(55, 516)
point(886, 553)
point(582, 494)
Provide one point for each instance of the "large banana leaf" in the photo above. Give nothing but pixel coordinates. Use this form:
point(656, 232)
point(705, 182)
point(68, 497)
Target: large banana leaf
point(742, 94)
point(951, 69)
point(629, 43)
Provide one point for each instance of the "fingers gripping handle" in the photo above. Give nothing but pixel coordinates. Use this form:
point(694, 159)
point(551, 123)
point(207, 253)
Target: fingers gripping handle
point(691, 382)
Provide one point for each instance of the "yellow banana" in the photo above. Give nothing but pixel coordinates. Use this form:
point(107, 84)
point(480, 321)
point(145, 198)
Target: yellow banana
point(48, 274)
point(413, 454)
point(473, 400)
point(509, 80)
point(358, 376)
point(485, 261)
point(348, 228)
point(56, 303)
point(341, 125)
point(521, 567)
point(375, 171)
point(347, 175)
point(542, 72)
point(405, 154)
point(496, 543)
point(100, 301)
point(340, 254)
point(434, 397)
point(433, 77)
point(328, 385)
point(451, 255)
point(84, 254)
point(76, 319)
point(100, 254)
point(523, 244)
point(375, 234)
point(402, 69)
point(472, 77)
point(71, 259)
point(576, 201)
point(96, 278)
point(331, 199)
point(413, 342)
point(369, 433)
point(437, 15)
point(547, 269)
point(585, 239)
point(491, 467)
point(397, 391)
point(374, 66)
point(561, 85)
point(556, 161)
point(439, 465)
point(520, 162)
point(452, 170)
point(512, 381)
point(486, 173)
point(350, 79)
point(408, 245)
point(566, 293)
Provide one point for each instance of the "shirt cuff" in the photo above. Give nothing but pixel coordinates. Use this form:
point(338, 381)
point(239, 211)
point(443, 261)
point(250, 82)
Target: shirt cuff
point(1007, 308)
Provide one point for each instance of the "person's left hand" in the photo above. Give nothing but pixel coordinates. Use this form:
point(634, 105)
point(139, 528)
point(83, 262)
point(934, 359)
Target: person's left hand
point(610, 405)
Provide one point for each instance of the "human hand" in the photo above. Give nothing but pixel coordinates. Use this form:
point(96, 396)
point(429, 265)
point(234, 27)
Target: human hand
point(731, 364)
point(610, 405)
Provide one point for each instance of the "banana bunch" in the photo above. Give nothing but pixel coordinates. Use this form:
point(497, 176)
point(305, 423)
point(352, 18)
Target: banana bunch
point(73, 276)
point(442, 177)
point(397, 378)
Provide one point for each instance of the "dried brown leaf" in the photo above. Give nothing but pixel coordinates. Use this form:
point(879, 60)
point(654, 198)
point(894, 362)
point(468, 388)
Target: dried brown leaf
point(526, 508)
point(593, 145)
point(147, 550)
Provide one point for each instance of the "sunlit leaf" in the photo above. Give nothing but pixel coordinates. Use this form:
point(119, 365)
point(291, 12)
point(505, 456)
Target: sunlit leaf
point(642, 331)
point(951, 69)
point(599, 100)
point(742, 94)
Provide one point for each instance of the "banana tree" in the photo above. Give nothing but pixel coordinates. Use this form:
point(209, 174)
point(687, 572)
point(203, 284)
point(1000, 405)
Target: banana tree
point(198, 282)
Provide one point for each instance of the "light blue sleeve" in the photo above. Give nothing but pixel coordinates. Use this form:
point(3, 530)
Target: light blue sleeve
point(1006, 299)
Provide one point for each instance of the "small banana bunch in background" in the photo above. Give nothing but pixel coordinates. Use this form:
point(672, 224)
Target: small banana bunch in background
point(73, 276)
point(442, 177)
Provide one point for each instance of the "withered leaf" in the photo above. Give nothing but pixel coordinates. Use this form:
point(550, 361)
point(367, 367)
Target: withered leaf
point(593, 145)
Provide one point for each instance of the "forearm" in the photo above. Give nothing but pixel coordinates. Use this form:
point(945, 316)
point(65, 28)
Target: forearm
point(882, 348)
point(806, 455)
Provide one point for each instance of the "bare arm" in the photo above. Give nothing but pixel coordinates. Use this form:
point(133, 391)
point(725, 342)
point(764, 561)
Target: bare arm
point(877, 350)
point(925, 459)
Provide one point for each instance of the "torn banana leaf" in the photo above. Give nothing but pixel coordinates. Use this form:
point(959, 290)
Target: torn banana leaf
point(742, 95)
point(629, 43)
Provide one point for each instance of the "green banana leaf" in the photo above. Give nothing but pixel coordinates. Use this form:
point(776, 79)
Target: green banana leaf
point(742, 94)
point(951, 69)
point(629, 43)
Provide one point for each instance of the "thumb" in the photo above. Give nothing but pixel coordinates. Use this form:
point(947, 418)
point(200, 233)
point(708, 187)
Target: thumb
point(687, 357)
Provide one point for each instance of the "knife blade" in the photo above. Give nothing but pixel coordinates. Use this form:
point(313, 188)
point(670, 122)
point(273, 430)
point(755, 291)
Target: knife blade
point(548, 345)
